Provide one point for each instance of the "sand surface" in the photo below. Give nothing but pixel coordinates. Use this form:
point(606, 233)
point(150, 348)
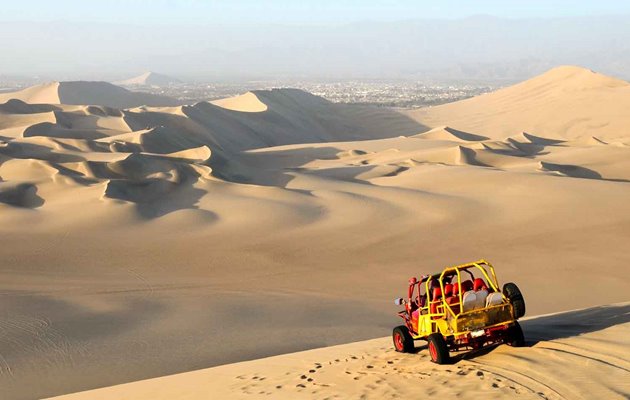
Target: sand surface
point(580, 354)
point(147, 241)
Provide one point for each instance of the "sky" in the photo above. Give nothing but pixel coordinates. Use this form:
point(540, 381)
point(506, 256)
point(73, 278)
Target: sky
point(207, 40)
point(154, 12)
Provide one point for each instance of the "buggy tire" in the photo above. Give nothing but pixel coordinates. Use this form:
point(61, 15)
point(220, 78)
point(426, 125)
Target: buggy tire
point(515, 337)
point(513, 293)
point(403, 342)
point(438, 349)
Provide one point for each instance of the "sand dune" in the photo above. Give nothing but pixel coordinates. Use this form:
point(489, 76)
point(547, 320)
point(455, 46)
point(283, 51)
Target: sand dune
point(573, 355)
point(247, 102)
point(448, 133)
point(149, 79)
point(128, 232)
point(88, 93)
point(567, 103)
point(86, 145)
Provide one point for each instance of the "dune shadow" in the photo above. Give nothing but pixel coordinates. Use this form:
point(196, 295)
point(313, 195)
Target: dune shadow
point(576, 171)
point(574, 323)
point(23, 195)
point(16, 106)
point(517, 149)
point(248, 168)
point(558, 326)
point(37, 152)
point(155, 197)
point(448, 133)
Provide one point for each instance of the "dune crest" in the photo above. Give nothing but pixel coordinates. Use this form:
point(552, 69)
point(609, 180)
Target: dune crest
point(247, 102)
point(448, 133)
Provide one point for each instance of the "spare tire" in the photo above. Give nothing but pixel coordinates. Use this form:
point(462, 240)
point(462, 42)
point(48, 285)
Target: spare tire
point(513, 293)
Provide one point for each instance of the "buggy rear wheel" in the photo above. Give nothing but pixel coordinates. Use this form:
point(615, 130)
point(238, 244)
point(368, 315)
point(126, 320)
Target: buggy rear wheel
point(515, 337)
point(403, 342)
point(438, 349)
point(513, 293)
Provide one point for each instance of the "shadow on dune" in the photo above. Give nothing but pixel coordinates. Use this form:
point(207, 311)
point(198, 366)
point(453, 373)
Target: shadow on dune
point(156, 197)
point(574, 323)
point(15, 106)
point(562, 326)
point(23, 195)
point(38, 152)
point(576, 171)
point(247, 168)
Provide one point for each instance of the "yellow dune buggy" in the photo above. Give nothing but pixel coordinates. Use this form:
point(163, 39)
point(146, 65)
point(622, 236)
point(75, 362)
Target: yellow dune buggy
point(460, 308)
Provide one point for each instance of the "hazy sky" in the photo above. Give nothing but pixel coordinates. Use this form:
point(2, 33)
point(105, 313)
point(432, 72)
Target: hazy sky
point(303, 39)
point(294, 11)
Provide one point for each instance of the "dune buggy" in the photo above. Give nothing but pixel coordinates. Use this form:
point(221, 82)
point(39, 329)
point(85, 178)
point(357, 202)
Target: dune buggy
point(460, 308)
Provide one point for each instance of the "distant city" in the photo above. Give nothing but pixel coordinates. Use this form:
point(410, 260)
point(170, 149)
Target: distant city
point(400, 94)
point(378, 93)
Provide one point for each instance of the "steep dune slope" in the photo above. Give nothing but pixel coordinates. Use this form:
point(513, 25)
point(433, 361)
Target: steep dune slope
point(566, 102)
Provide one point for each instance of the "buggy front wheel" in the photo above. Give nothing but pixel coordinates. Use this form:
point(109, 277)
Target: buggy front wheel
point(438, 349)
point(403, 342)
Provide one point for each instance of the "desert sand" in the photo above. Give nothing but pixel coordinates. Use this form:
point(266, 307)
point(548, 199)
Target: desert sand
point(143, 241)
point(572, 355)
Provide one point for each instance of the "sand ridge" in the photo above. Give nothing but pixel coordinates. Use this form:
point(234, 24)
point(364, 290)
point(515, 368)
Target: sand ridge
point(86, 93)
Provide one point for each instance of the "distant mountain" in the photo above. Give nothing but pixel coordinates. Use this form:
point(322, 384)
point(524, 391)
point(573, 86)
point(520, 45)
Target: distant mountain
point(481, 48)
point(87, 93)
point(149, 79)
